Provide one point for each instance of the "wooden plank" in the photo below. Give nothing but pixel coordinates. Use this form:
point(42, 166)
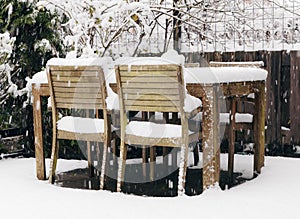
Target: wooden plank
point(76, 85)
point(78, 95)
point(233, 103)
point(152, 97)
point(210, 138)
point(151, 103)
point(98, 137)
point(295, 97)
point(74, 78)
point(238, 88)
point(259, 127)
point(77, 89)
point(143, 91)
point(256, 64)
point(169, 74)
point(78, 105)
point(75, 68)
point(154, 68)
point(38, 135)
point(152, 108)
point(145, 84)
point(149, 79)
point(243, 126)
point(79, 100)
point(152, 162)
point(164, 142)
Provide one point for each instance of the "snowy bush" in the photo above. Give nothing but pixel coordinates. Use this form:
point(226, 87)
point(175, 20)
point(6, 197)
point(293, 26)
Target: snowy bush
point(92, 26)
point(7, 87)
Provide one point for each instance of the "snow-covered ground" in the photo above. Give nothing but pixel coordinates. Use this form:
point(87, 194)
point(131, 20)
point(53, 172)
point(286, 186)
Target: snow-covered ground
point(273, 194)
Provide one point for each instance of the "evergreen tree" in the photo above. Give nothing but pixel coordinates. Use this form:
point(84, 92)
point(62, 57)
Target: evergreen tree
point(36, 40)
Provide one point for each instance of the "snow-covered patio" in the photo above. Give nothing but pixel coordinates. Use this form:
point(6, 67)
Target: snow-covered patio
point(273, 194)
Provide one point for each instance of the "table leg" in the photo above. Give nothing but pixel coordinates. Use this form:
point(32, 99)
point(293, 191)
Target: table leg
point(38, 135)
point(259, 137)
point(210, 146)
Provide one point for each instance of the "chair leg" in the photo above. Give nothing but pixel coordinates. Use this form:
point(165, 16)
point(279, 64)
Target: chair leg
point(196, 154)
point(106, 144)
point(182, 169)
point(145, 160)
point(121, 168)
point(152, 162)
point(53, 162)
point(89, 158)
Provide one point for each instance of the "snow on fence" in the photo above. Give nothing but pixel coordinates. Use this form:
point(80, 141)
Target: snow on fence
point(207, 26)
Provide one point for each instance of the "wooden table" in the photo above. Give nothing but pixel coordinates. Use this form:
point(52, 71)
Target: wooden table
point(211, 83)
point(208, 92)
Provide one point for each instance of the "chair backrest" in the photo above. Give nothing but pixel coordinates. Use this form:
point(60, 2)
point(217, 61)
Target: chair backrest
point(77, 87)
point(153, 88)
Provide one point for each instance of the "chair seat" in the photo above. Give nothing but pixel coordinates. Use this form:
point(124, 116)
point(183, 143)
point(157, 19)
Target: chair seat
point(80, 125)
point(154, 130)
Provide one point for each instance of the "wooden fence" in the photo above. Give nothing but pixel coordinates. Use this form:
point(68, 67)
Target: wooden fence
point(283, 90)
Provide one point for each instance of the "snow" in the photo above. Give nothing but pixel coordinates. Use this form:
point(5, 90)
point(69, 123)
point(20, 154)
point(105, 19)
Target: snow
point(74, 61)
point(224, 74)
point(153, 130)
point(81, 125)
point(224, 117)
point(273, 194)
point(239, 118)
point(39, 78)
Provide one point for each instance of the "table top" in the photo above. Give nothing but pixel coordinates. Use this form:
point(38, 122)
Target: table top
point(210, 75)
point(202, 75)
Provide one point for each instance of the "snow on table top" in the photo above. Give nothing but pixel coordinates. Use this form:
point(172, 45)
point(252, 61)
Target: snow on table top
point(224, 74)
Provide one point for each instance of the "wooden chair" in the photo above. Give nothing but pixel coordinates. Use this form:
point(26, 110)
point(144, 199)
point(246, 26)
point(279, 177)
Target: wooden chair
point(238, 119)
point(152, 88)
point(78, 87)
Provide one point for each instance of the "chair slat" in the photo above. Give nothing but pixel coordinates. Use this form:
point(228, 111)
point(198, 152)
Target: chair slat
point(152, 108)
point(158, 91)
point(80, 100)
point(154, 97)
point(91, 90)
point(164, 103)
point(78, 95)
point(72, 84)
point(148, 78)
point(75, 68)
point(131, 73)
point(152, 68)
point(82, 79)
point(141, 85)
